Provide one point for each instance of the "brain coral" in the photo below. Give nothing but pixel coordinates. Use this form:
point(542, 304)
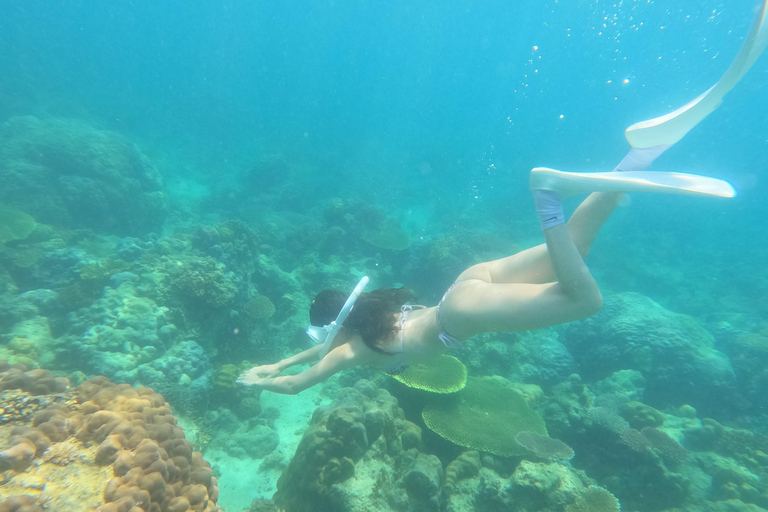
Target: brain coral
point(485, 416)
point(69, 174)
point(259, 308)
point(153, 467)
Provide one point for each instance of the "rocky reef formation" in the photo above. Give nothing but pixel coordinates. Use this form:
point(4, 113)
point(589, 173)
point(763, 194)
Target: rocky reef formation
point(674, 353)
point(70, 175)
point(98, 446)
point(361, 454)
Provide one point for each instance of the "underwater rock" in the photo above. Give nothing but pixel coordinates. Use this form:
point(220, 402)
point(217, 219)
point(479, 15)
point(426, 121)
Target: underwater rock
point(532, 486)
point(674, 353)
point(88, 178)
point(624, 384)
point(345, 439)
point(466, 465)
point(422, 482)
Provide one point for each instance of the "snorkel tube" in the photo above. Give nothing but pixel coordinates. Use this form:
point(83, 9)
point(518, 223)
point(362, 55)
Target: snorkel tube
point(324, 335)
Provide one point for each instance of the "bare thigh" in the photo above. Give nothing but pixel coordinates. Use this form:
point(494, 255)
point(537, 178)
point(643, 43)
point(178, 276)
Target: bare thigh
point(529, 266)
point(475, 306)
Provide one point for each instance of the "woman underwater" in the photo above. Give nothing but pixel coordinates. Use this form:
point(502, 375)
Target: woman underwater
point(539, 287)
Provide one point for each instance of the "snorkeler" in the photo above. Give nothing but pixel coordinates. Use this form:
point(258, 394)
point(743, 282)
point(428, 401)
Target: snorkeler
point(539, 287)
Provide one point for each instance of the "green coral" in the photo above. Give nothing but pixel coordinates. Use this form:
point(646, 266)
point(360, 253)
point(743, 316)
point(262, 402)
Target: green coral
point(594, 499)
point(446, 374)
point(485, 416)
point(14, 224)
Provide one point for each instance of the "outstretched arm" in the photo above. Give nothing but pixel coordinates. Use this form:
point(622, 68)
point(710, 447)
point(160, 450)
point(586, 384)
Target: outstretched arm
point(338, 359)
point(273, 370)
point(308, 356)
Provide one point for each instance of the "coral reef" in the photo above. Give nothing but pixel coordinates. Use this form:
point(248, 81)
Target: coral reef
point(96, 426)
point(202, 283)
point(532, 486)
point(674, 353)
point(594, 499)
point(116, 334)
point(71, 175)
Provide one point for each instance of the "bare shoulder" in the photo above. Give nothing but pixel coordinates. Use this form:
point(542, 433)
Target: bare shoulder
point(360, 354)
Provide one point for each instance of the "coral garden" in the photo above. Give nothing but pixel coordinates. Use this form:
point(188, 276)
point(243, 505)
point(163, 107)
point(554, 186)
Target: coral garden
point(125, 321)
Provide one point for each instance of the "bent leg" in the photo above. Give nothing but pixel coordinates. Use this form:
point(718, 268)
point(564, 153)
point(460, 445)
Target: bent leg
point(476, 306)
point(534, 265)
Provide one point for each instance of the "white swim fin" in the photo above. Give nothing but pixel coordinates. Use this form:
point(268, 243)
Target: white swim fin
point(573, 183)
point(670, 128)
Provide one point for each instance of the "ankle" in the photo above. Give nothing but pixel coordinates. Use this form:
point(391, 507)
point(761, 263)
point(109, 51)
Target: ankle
point(549, 208)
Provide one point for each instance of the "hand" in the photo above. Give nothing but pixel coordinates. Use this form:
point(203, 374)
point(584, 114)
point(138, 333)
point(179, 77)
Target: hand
point(257, 373)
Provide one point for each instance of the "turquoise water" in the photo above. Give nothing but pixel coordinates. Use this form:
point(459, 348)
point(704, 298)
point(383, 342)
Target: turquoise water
point(196, 172)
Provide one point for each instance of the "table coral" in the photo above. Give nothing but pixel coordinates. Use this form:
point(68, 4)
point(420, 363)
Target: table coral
point(486, 416)
point(445, 374)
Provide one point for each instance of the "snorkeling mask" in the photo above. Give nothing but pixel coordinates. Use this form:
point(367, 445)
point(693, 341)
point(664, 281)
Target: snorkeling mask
point(324, 335)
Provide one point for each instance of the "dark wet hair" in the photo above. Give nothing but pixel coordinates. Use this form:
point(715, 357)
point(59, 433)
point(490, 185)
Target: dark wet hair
point(372, 317)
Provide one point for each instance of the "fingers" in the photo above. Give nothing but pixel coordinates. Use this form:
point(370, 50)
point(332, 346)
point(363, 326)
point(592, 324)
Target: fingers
point(248, 378)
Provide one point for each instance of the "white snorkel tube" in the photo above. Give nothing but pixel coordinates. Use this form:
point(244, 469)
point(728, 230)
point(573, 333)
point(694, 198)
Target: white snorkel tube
point(324, 335)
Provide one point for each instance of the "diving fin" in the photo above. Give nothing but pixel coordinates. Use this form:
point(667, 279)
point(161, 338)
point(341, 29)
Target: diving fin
point(670, 128)
point(573, 183)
